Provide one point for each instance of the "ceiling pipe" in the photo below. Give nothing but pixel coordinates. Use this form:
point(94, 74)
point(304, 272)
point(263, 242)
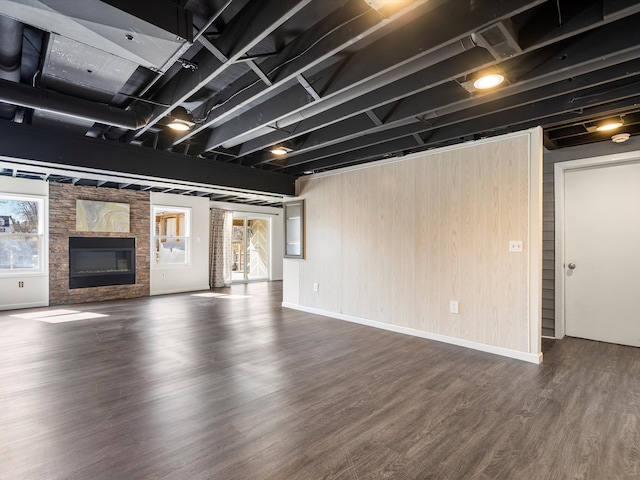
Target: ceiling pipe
point(54, 102)
point(10, 48)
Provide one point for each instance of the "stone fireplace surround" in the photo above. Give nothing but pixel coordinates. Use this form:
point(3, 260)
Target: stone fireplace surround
point(62, 225)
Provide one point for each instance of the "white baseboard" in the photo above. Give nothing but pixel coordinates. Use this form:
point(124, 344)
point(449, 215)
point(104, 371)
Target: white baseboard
point(505, 352)
point(17, 306)
point(179, 290)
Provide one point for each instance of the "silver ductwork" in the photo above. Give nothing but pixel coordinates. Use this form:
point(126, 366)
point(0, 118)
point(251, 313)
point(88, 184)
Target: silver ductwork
point(144, 35)
point(10, 48)
point(58, 103)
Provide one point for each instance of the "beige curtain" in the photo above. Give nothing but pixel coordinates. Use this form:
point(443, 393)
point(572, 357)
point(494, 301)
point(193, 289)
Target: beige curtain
point(220, 254)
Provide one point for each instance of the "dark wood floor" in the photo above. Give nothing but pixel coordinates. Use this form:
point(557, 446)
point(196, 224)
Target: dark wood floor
point(187, 388)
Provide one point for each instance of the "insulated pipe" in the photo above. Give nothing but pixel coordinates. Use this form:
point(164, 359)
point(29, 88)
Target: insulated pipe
point(50, 101)
point(392, 75)
point(10, 48)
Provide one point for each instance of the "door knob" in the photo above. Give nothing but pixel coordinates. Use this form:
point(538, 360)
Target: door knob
point(572, 266)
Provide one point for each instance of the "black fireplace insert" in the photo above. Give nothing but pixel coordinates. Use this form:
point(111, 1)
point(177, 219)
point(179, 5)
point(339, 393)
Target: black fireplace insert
point(101, 261)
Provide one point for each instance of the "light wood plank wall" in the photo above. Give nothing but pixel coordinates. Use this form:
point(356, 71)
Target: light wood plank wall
point(396, 242)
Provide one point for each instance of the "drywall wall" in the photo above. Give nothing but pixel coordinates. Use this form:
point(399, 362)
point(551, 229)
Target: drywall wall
point(35, 289)
point(195, 275)
point(391, 244)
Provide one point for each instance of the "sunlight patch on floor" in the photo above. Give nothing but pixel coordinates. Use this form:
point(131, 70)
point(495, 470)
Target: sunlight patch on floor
point(59, 316)
point(220, 295)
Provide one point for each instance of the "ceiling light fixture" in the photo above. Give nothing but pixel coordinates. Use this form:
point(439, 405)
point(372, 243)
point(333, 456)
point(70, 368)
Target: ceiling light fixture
point(280, 150)
point(378, 4)
point(489, 80)
point(609, 124)
point(181, 119)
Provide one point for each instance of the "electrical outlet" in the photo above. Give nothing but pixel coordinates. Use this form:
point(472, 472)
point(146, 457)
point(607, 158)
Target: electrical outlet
point(453, 306)
point(20, 284)
point(515, 246)
point(315, 287)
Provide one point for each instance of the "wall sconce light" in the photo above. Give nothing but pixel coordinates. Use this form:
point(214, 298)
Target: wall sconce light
point(181, 120)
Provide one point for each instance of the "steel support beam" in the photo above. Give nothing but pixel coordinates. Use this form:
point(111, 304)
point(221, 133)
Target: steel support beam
point(27, 143)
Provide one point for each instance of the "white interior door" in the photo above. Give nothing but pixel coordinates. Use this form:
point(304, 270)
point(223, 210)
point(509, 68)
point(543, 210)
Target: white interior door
point(602, 253)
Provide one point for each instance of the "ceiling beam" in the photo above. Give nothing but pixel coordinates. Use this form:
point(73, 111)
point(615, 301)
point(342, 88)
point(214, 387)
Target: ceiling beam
point(442, 99)
point(338, 31)
point(597, 102)
point(254, 23)
point(386, 60)
point(415, 83)
point(612, 44)
point(26, 143)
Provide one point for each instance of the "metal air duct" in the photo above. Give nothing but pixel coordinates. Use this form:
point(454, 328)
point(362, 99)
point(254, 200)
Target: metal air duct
point(53, 102)
point(10, 48)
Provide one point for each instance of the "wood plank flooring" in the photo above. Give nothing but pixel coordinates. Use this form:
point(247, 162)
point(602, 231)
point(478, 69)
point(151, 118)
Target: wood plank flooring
point(188, 388)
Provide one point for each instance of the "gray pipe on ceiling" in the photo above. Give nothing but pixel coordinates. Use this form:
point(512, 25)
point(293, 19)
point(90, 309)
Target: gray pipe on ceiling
point(10, 48)
point(54, 102)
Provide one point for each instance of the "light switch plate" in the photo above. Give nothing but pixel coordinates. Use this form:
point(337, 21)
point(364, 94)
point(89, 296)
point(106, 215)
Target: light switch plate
point(515, 246)
point(453, 306)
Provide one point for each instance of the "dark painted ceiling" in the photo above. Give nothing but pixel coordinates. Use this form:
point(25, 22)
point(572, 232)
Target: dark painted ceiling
point(92, 84)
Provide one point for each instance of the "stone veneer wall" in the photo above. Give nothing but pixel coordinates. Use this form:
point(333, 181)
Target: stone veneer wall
point(62, 225)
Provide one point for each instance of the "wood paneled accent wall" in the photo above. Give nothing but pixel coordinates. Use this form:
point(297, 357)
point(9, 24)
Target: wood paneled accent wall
point(396, 242)
point(62, 225)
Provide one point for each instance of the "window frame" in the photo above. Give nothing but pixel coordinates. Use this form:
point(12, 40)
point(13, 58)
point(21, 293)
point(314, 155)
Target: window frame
point(40, 235)
point(155, 237)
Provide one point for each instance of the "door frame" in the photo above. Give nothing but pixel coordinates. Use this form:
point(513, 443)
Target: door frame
point(246, 216)
point(559, 170)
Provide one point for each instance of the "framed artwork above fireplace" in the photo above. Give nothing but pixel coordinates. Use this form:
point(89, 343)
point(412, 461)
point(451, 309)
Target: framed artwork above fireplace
point(94, 216)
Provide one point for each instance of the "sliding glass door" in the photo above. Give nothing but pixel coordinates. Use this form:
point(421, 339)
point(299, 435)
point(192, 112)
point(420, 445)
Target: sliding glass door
point(250, 248)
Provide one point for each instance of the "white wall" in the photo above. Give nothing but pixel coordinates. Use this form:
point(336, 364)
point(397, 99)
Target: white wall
point(392, 243)
point(276, 241)
point(35, 292)
point(184, 278)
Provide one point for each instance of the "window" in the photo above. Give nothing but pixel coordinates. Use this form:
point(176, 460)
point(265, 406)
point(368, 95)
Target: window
point(294, 229)
point(21, 234)
point(172, 235)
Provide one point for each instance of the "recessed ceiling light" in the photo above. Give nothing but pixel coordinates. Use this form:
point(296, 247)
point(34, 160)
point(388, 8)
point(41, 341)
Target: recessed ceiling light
point(181, 120)
point(488, 81)
point(280, 150)
point(179, 125)
point(378, 4)
point(607, 125)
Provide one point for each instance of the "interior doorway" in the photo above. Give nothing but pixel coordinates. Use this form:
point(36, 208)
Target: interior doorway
point(597, 249)
point(250, 244)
